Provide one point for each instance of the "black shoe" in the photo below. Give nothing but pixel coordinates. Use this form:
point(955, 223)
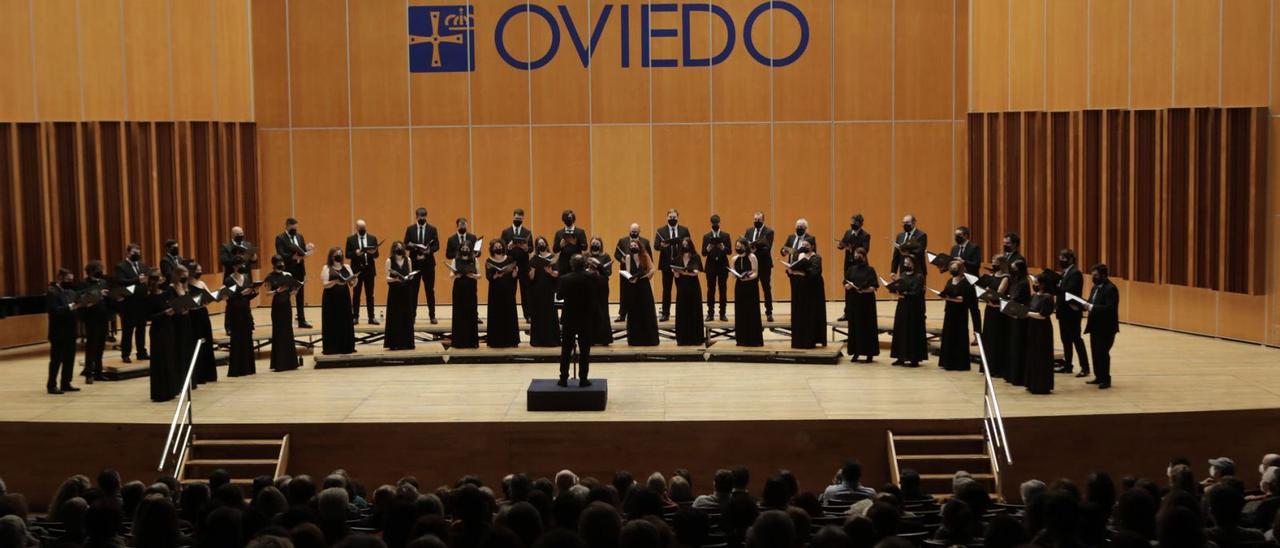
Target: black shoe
point(88, 379)
point(1094, 381)
point(711, 316)
point(723, 318)
point(842, 318)
point(98, 377)
point(1062, 369)
point(355, 321)
point(433, 321)
point(302, 324)
point(374, 322)
point(664, 318)
point(144, 356)
point(896, 362)
point(562, 383)
point(584, 383)
point(52, 390)
point(1104, 385)
point(768, 317)
point(69, 388)
point(127, 360)
point(1081, 374)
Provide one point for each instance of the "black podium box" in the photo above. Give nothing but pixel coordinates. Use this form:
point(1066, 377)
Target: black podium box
point(544, 395)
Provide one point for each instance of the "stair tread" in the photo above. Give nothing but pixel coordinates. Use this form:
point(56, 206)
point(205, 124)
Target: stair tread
point(199, 442)
point(939, 437)
point(950, 456)
point(234, 481)
point(949, 476)
point(211, 462)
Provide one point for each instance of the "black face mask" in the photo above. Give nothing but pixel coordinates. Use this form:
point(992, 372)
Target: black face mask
point(687, 247)
point(135, 257)
point(740, 250)
point(182, 280)
point(859, 259)
point(959, 239)
point(635, 235)
point(239, 238)
point(1007, 248)
point(1062, 263)
point(422, 220)
point(715, 228)
point(1098, 280)
point(517, 222)
point(244, 269)
point(97, 275)
point(293, 232)
point(955, 271)
point(758, 224)
point(855, 227)
point(673, 222)
point(542, 246)
point(462, 230)
point(906, 227)
point(398, 251)
point(197, 275)
point(173, 251)
point(360, 231)
point(799, 231)
point(595, 248)
point(634, 250)
point(568, 220)
point(337, 258)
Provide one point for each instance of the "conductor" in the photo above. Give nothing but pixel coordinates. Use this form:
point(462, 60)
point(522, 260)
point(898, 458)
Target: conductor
point(577, 289)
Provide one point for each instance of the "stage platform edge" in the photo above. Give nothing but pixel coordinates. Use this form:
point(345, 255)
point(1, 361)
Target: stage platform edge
point(545, 395)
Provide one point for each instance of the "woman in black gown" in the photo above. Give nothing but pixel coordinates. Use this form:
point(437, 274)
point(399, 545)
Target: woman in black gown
point(909, 346)
point(960, 298)
point(402, 300)
point(747, 328)
point(240, 321)
point(599, 262)
point(1016, 356)
point(808, 302)
point(184, 339)
point(1039, 341)
point(503, 330)
point(860, 284)
point(995, 325)
point(685, 267)
point(466, 333)
point(284, 355)
point(544, 327)
point(335, 307)
point(642, 317)
point(202, 329)
point(161, 366)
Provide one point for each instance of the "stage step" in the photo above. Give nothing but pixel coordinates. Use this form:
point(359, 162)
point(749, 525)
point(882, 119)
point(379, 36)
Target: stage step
point(242, 458)
point(938, 457)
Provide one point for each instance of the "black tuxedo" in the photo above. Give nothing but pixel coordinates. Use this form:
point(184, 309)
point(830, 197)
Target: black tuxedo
point(565, 249)
point(669, 246)
point(620, 254)
point(578, 289)
point(365, 269)
point(62, 334)
point(456, 242)
point(424, 261)
point(169, 264)
point(521, 257)
point(1069, 318)
point(230, 255)
point(715, 248)
point(763, 239)
point(921, 239)
point(852, 241)
point(971, 254)
point(133, 314)
point(1104, 323)
point(292, 249)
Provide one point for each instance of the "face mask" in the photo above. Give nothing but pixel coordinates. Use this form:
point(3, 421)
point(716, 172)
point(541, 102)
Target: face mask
point(197, 275)
point(758, 224)
point(422, 220)
point(859, 259)
point(97, 275)
point(959, 239)
point(673, 222)
point(595, 248)
point(799, 231)
point(715, 227)
point(856, 227)
point(906, 227)
point(635, 235)
point(1062, 262)
point(293, 232)
point(135, 257)
point(398, 251)
point(239, 238)
point(337, 258)
point(243, 270)
point(1097, 280)
point(568, 220)
point(462, 230)
point(740, 250)
point(182, 280)
point(1007, 248)
point(65, 285)
point(955, 271)
point(361, 231)
point(687, 247)
point(542, 246)
point(635, 250)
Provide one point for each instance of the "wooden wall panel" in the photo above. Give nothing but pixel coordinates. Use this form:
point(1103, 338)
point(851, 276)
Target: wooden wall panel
point(1109, 54)
point(1197, 52)
point(863, 184)
point(57, 60)
point(380, 171)
point(740, 86)
point(621, 162)
point(500, 92)
point(1068, 37)
point(1245, 50)
point(1152, 53)
point(802, 90)
point(742, 169)
point(103, 66)
point(276, 182)
point(559, 90)
point(322, 197)
point(803, 157)
point(317, 37)
point(1027, 70)
point(191, 36)
point(989, 74)
point(233, 75)
point(379, 79)
point(681, 179)
point(1193, 309)
point(1149, 304)
point(148, 75)
point(500, 178)
point(562, 180)
point(680, 94)
point(863, 51)
point(960, 33)
point(270, 62)
point(18, 100)
point(923, 60)
point(1242, 317)
point(620, 92)
point(439, 98)
point(443, 187)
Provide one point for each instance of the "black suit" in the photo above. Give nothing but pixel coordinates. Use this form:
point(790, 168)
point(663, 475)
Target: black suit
point(565, 250)
point(620, 254)
point(791, 243)
point(521, 256)
point(456, 242)
point(576, 320)
point(763, 239)
point(668, 239)
point(1069, 318)
point(1012, 256)
point(365, 269)
point(852, 241)
point(168, 264)
point(921, 239)
point(62, 334)
point(1104, 323)
point(424, 261)
point(292, 249)
point(971, 254)
point(231, 255)
point(133, 314)
point(95, 320)
point(715, 246)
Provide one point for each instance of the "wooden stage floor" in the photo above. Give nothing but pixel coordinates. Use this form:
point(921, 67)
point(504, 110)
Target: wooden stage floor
point(1153, 370)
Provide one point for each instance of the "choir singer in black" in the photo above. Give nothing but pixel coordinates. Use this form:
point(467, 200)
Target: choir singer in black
point(362, 248)
point(518, 240)
point(761, 240)
point(854, 239)
point(1069, 316)
point(569, 241)
point(577, 289)
point(970, 255)
point(715, 248)
point(667, 240)
point(94, 317)
point(131, 272)
point(61, 301)
point(422, 242)
point(1103, 325)
point(910, 233)
point(294, 249)
point(621, 252)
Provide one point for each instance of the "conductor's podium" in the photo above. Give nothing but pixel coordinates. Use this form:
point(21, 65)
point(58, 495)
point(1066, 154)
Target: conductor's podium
point(545, 395)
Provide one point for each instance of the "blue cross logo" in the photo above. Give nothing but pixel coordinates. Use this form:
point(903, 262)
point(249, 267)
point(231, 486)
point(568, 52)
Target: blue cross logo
point(441, 39)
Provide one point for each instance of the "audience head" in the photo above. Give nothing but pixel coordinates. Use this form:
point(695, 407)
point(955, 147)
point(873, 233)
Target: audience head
point(1221, 466)
point(1031, 489)
point(723, 481)
point(680, 490)
point(773, 529)
point(1136, 512)
point(741, 478)
point(851, 472)
point(600, 525)
point(775, 494)
point(109, 482)
point(564, 480)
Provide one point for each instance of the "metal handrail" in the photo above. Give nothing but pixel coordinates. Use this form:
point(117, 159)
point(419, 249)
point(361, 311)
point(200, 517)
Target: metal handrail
point(991, 409)
point(179, 437)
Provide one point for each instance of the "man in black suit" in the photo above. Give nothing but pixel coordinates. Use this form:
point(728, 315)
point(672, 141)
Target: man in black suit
point(95, 318)
point(967, 251)
point(1010, 246)
point(170, 261)
point(620, 255)
point(715, 246)
point(1104, 323)
point(761, 239)
point(133, 316)
point(517, 239)
point(461, 239)
point(234, 252)
point(1069, 316)
point(855, 238)
point(60, 303)
point(801, 235)
point(422, 243)
point(362, 250)
point(293, 248)
point(910, 232)
point(569, 241)
point(578, 290)
point(667, 239)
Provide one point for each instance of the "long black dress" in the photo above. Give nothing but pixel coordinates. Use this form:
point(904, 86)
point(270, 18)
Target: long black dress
point(909, 344)
point(202, 329)
point(955, 325)
point(1039, 346)
point(808, 305)
point(642, 316)
point(240, 328)
point(503, 327)
point(1016, 352)
point(747, 328)
point(864, 326)
point(335, 314)
point(402, 301)
point(163, 346)
point(815, 293)
point(995, 333)
point(284, 355)
point(689, 327)
point(603, 335)
point(465, 333)
point(544, 327)
point(184, 346)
